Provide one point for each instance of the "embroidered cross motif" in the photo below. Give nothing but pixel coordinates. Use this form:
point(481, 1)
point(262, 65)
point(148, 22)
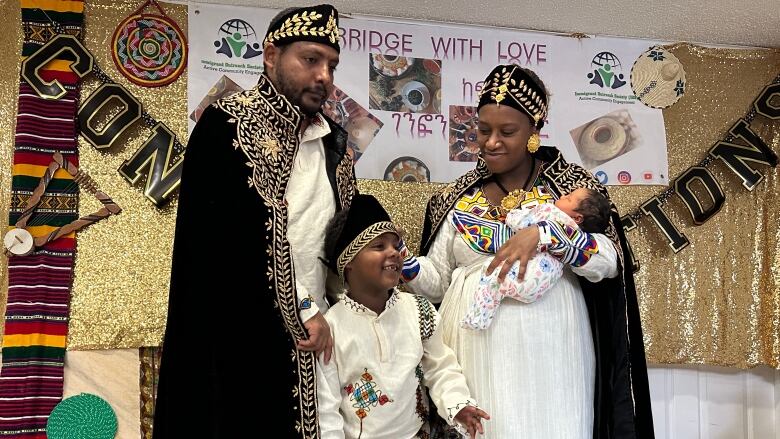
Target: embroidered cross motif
point(365, 394)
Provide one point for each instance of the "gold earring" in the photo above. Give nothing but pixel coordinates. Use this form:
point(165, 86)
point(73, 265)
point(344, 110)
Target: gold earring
point(533, 143)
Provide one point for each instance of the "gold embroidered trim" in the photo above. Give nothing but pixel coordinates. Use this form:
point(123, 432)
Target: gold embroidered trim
point(361, 241)
point(266, 132)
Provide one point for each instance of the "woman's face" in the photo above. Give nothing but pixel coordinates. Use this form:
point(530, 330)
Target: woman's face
point(502, 136)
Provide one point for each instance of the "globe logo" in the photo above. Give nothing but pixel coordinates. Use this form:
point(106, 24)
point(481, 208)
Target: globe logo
point(237, 38)
point(606, 71)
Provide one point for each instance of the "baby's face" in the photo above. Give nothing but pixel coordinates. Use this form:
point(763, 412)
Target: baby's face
point(571, 201)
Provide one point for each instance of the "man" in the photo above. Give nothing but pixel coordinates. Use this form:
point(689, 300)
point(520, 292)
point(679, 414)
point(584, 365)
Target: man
point(263, 173)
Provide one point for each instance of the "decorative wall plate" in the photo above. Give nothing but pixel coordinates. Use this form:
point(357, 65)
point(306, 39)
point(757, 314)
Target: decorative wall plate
point(148, 49)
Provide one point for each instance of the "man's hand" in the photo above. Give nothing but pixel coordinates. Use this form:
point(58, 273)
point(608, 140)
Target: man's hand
point(320, 339)
point(520, 248)
point(470, 418)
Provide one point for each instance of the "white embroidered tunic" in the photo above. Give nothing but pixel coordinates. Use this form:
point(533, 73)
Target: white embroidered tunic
point(377, 366)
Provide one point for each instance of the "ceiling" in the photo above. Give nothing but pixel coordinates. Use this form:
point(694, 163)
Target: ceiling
point(726, 22)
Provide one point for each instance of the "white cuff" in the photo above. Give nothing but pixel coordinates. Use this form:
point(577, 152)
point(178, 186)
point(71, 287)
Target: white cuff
point(453, 411)
point(310, 312)
point(545, 238)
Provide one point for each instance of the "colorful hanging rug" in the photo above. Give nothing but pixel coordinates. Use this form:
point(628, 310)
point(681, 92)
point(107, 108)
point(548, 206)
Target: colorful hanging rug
point(36, 319)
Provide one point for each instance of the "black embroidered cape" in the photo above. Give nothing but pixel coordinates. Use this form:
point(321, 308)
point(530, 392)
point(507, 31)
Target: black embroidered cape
point(622, 396)
point(233, 310)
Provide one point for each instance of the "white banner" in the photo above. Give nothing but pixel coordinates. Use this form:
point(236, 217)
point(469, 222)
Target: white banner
point(406, 92)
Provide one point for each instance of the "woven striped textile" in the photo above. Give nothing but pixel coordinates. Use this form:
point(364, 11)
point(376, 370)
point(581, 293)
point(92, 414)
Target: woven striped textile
point(36, 320)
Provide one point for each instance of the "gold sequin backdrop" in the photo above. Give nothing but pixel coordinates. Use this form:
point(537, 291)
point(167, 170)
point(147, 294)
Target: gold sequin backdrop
point(716, 302)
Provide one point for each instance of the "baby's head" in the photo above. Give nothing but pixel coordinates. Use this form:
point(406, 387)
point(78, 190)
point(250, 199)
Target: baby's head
point(588, 208)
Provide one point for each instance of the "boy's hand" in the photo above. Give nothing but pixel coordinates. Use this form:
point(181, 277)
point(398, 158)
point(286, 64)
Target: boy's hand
point(402, 248)
point(470, 418)
point(411, 265)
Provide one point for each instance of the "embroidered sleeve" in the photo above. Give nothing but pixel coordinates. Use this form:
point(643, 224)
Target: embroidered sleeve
point(411, 265)
point(427, 317)
point(441, 372)
point(308, 308)
point(435, 270)
point(602, 265)
point(411, 269)
point(454, 410)
point(568, 244)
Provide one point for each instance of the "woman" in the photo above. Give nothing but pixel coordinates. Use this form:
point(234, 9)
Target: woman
point(571, 364)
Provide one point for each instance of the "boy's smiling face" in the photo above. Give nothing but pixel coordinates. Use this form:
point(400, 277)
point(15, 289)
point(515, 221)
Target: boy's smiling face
point(378, 265)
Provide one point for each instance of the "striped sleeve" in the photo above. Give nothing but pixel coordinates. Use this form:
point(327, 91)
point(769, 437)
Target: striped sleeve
point(568, 244)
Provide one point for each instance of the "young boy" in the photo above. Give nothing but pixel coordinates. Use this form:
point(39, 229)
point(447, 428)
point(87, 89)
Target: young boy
point(583, 209)
point(387, 347)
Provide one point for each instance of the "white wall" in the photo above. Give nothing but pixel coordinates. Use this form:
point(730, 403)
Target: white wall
point(707, 402)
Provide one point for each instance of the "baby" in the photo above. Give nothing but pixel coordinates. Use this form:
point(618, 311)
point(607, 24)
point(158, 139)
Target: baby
point(583, 209)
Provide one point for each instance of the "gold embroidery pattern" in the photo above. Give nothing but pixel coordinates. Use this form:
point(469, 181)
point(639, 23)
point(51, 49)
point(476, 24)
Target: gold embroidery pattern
point(502, 85)
point(282, 280)
point(361, 241)
point(345, 181)
point(305, 24)
point(266, 132)
point(309, 425)
point(267, 126)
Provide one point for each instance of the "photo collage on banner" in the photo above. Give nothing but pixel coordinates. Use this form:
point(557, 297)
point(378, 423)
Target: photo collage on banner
point(406, 92)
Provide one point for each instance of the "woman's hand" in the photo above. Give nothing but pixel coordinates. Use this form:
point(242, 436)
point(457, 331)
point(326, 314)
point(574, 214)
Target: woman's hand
point(470, 418)
point(520, 248)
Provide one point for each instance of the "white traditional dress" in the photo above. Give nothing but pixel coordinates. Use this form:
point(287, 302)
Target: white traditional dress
point(533, 368)
point(380, 364)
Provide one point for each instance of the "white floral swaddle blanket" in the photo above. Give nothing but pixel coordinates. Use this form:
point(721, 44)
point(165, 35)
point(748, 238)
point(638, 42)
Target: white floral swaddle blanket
point(542, 271)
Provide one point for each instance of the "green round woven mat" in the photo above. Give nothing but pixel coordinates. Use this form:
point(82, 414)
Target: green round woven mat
point(83, 416)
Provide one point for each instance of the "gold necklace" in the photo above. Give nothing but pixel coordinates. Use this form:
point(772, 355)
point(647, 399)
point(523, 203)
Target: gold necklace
point(513, 198)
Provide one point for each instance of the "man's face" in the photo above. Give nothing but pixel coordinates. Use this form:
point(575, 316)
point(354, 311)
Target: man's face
point(302, 72)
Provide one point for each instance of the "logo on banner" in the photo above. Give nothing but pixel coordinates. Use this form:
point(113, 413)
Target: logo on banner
point(624, 177)
point(647, 175)
point(606, 71)
point(602, 177)
point(238, 39)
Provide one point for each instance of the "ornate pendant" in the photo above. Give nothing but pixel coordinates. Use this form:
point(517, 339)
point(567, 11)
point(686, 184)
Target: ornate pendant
point(512, 200)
